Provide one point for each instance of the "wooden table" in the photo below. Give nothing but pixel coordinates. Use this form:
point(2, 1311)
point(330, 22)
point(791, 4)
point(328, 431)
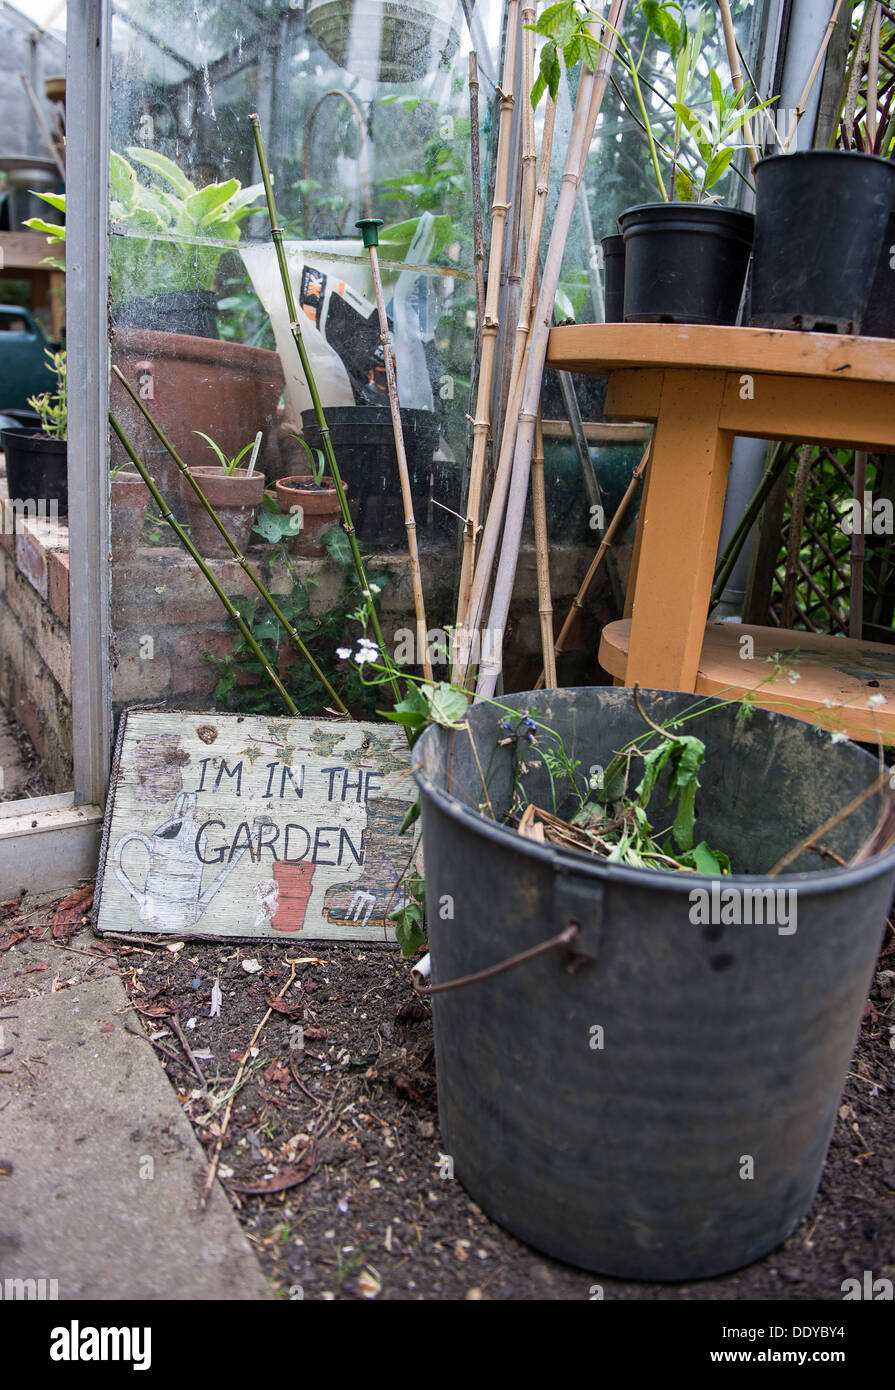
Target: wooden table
point(702, 386)
point(22, 257)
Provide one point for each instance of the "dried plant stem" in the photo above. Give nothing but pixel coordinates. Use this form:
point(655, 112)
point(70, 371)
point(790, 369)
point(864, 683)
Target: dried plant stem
point(468, 622)
point(595, 563)
point(736, 75)
point(809, 83)
point(839, 816)
point(499, 208)
point(168, 515)
point(237, 553)
point(475, 161)
point(391, 380)
point(216, 1156)
point(539, 509)
point(591, 88)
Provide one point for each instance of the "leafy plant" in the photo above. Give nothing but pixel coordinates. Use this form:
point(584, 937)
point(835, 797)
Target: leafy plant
point(318, 462)
point(229, 465)
point(167, 219)
point(410, 916)
point(712, 131)
point(52, 406)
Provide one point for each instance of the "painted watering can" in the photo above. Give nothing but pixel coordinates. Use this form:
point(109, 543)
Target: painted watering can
point(172, 899)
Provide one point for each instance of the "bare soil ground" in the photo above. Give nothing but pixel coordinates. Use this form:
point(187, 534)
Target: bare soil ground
point(331, 1153)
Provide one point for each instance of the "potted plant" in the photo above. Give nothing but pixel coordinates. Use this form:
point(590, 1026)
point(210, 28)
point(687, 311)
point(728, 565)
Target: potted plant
point(37, 460)
point(317, 500)
point(235, 494)
point(685, 256)
point(164, 307)
point(825, 222)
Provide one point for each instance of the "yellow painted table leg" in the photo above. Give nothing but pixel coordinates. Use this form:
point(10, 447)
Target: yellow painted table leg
point(680, 532)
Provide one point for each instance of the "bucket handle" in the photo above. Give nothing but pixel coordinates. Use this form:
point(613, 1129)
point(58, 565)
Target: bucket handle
point(565, 938)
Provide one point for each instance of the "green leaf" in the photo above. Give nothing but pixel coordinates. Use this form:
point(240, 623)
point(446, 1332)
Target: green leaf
point(273, 526)
point(412, 711)
point(165, 168)
point(717, 166)
point(555, 17)
point(705, 860)
point(684, 821)
point(122, 181)
point(412, 816)
point(538, 90)
point(447, 706)
point(337, 546)
point(408, 932)
point(653, 763)
point(683, 186)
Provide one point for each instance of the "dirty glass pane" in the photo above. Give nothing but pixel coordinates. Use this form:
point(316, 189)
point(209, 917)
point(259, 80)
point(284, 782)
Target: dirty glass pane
point(360, 118)
point(35, 646)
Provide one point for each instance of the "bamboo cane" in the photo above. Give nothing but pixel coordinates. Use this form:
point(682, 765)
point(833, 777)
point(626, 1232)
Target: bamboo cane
point(276, 233)
point(736, 75)
point(529, 155)
point(499, 208)
point(369, 228)
point(591, 88)
point(237, 553)
point(796, 518)
point(475, 166)
point(873, 79)
point(470, 620)
point(858, 548)
point(168, 515)
point(595, 563)
point(539, 510)
point(809, 83)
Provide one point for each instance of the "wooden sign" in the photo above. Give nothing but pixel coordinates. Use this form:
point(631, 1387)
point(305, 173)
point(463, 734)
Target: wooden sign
point(247, 825)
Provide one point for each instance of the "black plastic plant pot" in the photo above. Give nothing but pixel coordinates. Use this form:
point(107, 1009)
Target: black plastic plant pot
point(364, 445)
point(879, 318)
point(613, 278)
point(654, 1099)
point(176, 311)
point(36, 469)
point(685, 262)
point(821, 217)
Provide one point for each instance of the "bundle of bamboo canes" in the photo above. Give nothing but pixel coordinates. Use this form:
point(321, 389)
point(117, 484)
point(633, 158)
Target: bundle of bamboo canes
point(518, 447)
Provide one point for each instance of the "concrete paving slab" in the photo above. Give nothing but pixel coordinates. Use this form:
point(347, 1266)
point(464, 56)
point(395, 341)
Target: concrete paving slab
point(103, 1171)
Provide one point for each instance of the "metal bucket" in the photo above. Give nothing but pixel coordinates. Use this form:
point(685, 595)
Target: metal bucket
point(656, 1101)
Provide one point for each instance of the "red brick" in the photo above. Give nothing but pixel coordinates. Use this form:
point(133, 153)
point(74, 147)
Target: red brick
point(58, 585)
point(190, 672)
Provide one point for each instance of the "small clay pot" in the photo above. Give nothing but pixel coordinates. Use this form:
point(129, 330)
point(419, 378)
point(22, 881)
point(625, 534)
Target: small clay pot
point(320, 507)
point(235, 497)
point(130, 498)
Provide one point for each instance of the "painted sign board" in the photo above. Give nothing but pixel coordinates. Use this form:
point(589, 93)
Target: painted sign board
point(232, 825)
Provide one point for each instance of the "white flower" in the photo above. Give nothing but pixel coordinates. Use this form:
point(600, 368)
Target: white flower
point(343, 653)
point(839, 738)
point(830, 704)
point(793, 677)
point(375, 588)
point(364, 654)
point(878, 699)
point(369, 646)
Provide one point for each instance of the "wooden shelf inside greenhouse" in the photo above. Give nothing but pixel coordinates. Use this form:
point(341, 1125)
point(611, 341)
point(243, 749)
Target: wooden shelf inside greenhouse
point(834, 677)
point(23, 256)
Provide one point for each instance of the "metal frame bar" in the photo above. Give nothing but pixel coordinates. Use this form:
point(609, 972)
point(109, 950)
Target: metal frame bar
point(87, 258)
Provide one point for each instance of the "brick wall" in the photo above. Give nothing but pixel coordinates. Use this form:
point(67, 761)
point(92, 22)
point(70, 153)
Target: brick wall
point(35, 650)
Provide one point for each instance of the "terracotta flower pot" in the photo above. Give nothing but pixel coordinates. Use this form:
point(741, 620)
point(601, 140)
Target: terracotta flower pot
point(235, 497)
point(130, 498)
point(320, 507)
point(228, 390)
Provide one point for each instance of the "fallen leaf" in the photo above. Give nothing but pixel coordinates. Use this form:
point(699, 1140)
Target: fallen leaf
point(291, 1008)
point(108, 1028)
point(11, 907)
point(217, 999)
point(252, 966)
point(282, 1181)
point(316, 1034)
point(70, 913)
point(160, 1008)
point(13, 937)
point(175, 946)
point(30, 969)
